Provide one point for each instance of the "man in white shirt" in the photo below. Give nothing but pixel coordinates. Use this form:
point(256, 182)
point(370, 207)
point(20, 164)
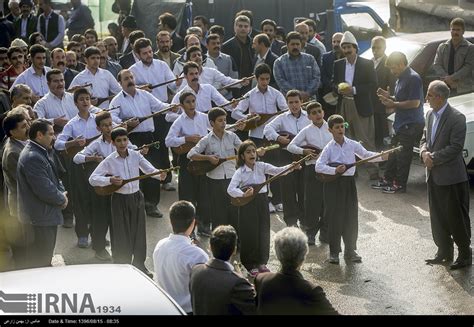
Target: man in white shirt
point(104, 84)
point(135, 104)
point(175, 256)
point(35, 76)
point(190, 41)
point(57, 106)
point(205, 93)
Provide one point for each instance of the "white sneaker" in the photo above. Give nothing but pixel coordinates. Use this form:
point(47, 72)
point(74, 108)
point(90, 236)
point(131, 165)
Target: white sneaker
point(279, 207)
point(271, 207)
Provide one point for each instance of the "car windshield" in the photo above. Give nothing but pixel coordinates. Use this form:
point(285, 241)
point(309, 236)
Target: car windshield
point(409, 48)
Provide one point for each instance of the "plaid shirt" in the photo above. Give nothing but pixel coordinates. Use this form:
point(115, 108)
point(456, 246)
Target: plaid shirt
point(301, 73)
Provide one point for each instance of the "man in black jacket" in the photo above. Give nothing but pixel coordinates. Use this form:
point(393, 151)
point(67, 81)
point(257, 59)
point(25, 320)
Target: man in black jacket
point(230, 293)
point(240, 49)
point(41, 195)
point(264, 55)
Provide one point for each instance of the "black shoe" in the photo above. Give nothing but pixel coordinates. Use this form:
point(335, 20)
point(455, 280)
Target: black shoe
point(334, 258)
point(463, 260)
point(154, 212)
point(394, 189)
point(103, 255)
point(352, 256)
point(440, 258)
point(381, 184)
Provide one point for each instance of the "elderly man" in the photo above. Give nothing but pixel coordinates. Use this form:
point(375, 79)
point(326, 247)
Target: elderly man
point(448, 183)
point(287, 292)
point(454, 60)
point(297, 70)
point(112, 48)
point(355, 81)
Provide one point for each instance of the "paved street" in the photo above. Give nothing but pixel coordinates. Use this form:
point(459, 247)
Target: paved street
point(394, 239)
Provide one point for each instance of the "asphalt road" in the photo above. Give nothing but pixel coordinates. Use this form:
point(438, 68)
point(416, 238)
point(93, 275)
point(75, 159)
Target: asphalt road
point(394, 239)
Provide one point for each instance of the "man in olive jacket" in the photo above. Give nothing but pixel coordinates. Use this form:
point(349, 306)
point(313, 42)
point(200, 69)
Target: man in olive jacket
point(41, 195)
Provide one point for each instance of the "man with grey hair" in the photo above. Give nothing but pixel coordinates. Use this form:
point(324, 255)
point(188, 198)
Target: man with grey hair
point(441, 150)
point(287, 292)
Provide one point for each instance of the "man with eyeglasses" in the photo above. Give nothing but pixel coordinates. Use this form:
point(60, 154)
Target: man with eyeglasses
point(17, 66)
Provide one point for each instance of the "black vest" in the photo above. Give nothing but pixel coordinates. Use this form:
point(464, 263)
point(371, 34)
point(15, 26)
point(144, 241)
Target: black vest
point(53, 26)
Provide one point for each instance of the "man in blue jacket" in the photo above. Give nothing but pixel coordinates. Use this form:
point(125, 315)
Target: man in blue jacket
point(41, 195)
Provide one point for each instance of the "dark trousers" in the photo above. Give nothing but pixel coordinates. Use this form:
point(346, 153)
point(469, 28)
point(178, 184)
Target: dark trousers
point(129, 229)
point(292, 192)
point(398, 164)
point(254, 232)
point(83, 197)
point(381, 128)
point(449, 212)
point(341, 212)
point(314, 218)
point(40, 241)
point(68, 213)
point(195, 190)
point(272, 157)
point(222, 212)
point(101, 221)
point(149, 186)
point(162, 128)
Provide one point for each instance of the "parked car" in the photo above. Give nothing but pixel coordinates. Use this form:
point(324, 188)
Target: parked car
point(420, 49)
point(95, 289)
point(465, 104)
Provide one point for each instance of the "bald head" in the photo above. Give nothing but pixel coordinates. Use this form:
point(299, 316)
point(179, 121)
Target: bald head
point(303, 29)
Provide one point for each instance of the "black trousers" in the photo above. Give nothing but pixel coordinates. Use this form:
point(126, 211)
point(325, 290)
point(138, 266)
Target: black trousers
point(129, 229)
point(381, 128)
point(314, 218)
point(40, 243)
point(101, 221)
point(149, 186)
point(195, 190)
point(83, 197)
point(292, 192)
point(449, 213)
point(68, 213)
point(162, 128)
point(398, 164)
point(272, 157)
point(341, 212)
point(222, 212)
point(254, 232)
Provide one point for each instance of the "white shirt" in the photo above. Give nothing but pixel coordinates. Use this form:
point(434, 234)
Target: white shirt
point(173, 259)
point(245, 176)
point(186, 126)
point(158, 72)
point(310, 135)
point(128, 167)
point(37, 83)
point(214, 77)
point(343, 154)
point(179, 65)
point(268, 102)
point(286, 123)
point(211, 144)
point(377, 61)
point(204, 98)
point(50, 107)
point(98, 147)
point(350, 70)
point(103, 84)
point(76, 127)
point(141, 105)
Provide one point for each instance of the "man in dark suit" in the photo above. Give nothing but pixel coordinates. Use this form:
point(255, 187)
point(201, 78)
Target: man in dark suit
point(240, 49)
point(269, 27)
point(264, 55)
point(26, 24)
point(127, 60)
point(163, 41)
point(41, 195)
point(355, 81)
point(448, 187)
point(167, 22)
point(327, 69)
point(230, 293)
point(287, 292)
point(385, 81)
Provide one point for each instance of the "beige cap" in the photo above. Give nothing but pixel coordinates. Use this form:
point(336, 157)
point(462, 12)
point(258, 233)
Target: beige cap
point(18, 43)
point(348, 37)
